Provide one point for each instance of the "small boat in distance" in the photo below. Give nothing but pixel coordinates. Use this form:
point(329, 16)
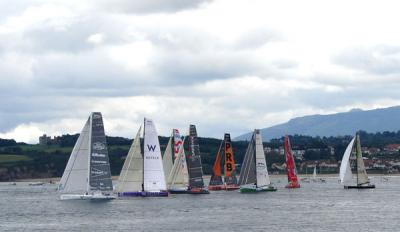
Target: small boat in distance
point(36, 183)
point(254, 174)
point(315, 178)
point(195, 168)
point(293, 181)
point(143, 176)
point(226, 151)
point(87, 175)
point(346, 175)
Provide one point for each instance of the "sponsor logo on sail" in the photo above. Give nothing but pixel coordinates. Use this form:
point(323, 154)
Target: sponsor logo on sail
point(151, 147)
point(98, 162)
point(99, 146)
point(98, 155)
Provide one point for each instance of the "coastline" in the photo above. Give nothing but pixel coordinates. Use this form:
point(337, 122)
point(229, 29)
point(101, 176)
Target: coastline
point(206, 177)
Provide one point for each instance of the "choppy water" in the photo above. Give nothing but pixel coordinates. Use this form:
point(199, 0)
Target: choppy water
point(314, 207)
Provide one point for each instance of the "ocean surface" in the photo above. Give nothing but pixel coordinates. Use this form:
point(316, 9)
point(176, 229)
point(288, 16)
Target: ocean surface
point(313, 207)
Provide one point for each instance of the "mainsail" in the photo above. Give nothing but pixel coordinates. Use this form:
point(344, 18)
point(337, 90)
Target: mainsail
point(261, 164)
point(248, 169)
point(153, 176)
point(229, 166)
point(194, 160)
point(362, 177)
point(216, 177)
point(99, 173)
point(131, 176)
point(290, 165)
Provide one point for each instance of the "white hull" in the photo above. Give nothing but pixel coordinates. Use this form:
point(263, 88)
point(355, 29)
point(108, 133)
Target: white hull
point(65, 197)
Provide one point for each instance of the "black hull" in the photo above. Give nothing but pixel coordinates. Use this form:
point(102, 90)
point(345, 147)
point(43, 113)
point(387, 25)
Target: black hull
point(178, 191)
point(360, 187)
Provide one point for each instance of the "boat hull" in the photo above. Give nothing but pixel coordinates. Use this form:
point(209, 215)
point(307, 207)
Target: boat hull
point(183, 190)
point(216, 187)
point(143, 194)
point(293, 185)
point(232, 187)
point(95, 197)
point(257, 189)
point(372, 186)
point(198, 191)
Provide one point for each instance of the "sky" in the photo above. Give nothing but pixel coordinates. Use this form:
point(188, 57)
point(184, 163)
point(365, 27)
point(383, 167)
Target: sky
point(224, 65)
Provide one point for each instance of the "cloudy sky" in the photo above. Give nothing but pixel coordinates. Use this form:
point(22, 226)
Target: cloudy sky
point(224, 65)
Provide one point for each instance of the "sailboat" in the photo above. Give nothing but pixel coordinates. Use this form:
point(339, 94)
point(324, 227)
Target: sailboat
point(346, 176)
point(216, 182)
point(293, 181)
point(178, 179)
point(314, 175)
point(196, 182)
point(87, 175)
point(254, 174)
point(143, 176)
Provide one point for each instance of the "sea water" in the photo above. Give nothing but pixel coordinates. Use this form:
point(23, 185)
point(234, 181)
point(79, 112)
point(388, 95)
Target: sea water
point(313, 207)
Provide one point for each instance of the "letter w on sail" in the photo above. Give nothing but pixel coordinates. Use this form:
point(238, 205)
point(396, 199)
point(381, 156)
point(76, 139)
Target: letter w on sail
point(151, 147)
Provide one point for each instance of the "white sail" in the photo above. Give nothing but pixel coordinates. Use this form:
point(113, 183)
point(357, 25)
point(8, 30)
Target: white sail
point(261, 164)
point(167, 158)
point(179, 174)
point(362, 177)
point(131, 176)
point(75, 177)
point(314, 176)
point(182, 175)
point(345, 174)
point(153, 178)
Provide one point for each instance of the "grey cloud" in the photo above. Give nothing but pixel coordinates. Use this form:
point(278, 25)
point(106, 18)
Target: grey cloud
point(381, 60)
point(148, 6)
point(257, 38)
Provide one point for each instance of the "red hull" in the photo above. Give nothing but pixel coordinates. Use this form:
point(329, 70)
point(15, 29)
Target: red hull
point(216, 187)
point(232, 187)
point(293, 185)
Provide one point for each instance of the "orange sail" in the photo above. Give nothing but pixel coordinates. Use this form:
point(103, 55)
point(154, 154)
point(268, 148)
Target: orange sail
point(216, 177)
point(293, 181)
point(229, 167)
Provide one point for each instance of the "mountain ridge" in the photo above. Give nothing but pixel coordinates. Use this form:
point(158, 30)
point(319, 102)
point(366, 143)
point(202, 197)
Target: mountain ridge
point(343, 123)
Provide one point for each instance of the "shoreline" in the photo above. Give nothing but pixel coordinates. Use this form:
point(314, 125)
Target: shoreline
point(114, 178)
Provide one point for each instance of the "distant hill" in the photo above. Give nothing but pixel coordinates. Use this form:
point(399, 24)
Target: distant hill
point(377, 120)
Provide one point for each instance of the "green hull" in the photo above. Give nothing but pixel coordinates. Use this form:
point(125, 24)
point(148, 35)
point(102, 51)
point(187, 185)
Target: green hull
point(256, 190)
